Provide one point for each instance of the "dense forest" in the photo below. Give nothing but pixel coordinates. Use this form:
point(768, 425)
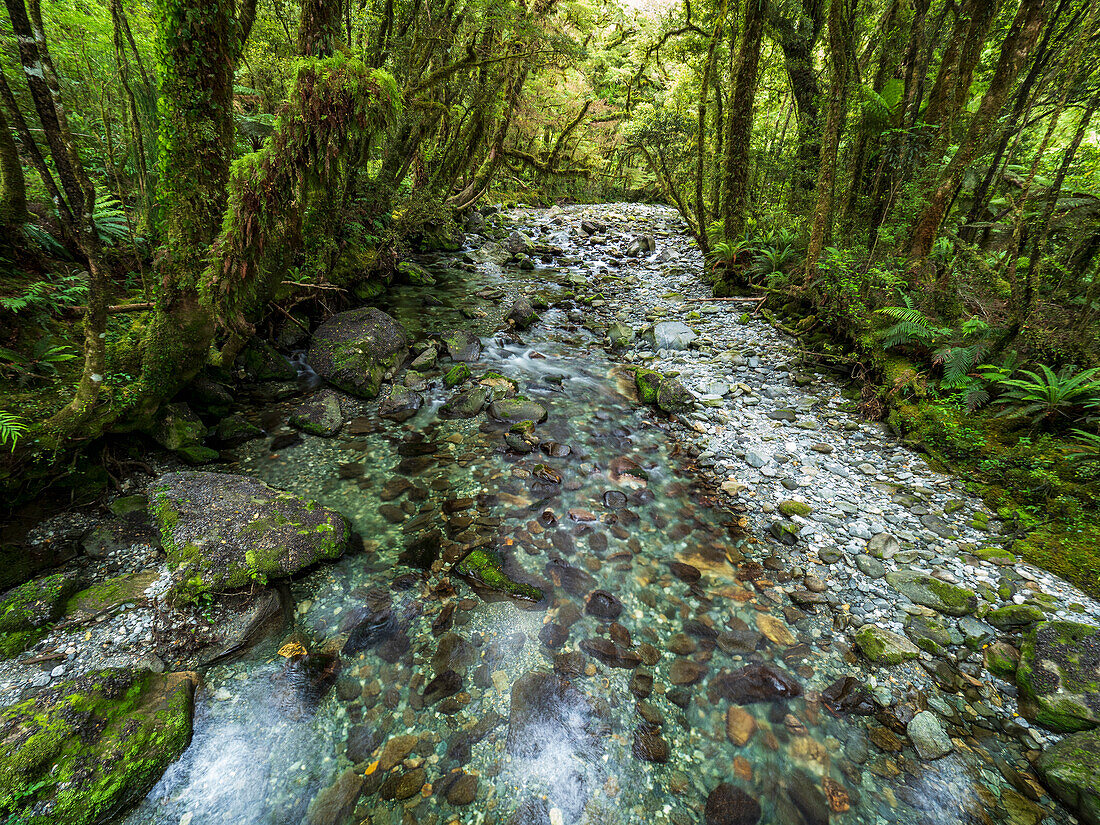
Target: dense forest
point(756, 343)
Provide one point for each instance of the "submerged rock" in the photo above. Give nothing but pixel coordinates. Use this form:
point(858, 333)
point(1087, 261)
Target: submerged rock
point(1071, 769)
point(223, 532)
point(1059, 675)
point(461, 345)
point(756, 683)
point(319, 414)
point(86, 750)
point(548, 713)
point(514, 410)
point(729, 805)
point(484, 570)
point(354, 351)
point(464, 404)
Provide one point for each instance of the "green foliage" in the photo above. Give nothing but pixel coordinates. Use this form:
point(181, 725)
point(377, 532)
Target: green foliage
point(41, 363)
point(109, 220)
point(1087, 446)
point(1046, 397)
point(51, 295)
point(911, 326)
point(11, 427)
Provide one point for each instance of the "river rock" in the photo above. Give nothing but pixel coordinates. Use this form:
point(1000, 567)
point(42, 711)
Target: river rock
point(756, 683)
point(86, 750)
point(319, 414)
point(461, 345)
point(941, 596)
point(462, 790)
point(883, 546)
point(464, 404)
point(514, 410)
point(484, 570)
point(620, 335)
point(649, 745)
point(686, 672)
point(400, 404)
point(673, 397)
point(27, 609)
point(548, 713)
point(729, 805)
point(603, 605)
point(740, 725)
point(354, 351)
point(928, 736)
point(673, 335)
point(1071, 769)
point(223, 532)
point(521, 314)
point(884, 647)
point(335, 803)
point(1014, 617)
point(403, 785)
point(1059, 675)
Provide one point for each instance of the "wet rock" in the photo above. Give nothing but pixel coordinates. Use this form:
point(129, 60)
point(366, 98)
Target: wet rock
point(456, 375)
point(335, 803)
point(609, 653)
point(464, 404)
point(362, 740)
point(740, 725)
point(572, 580)
point(941, 596)
point(400, 404)
point(262, 362)
point(808, 799)
point(463, 790)
point(319, 414)
point(395, 751)
point(461, 345)
point(1059, 675)
point(614, 500)
point(484, 570)
point(756, 683)
point(1071, 770)
point(234, 430)
point(1002, 659)
point(729, 805)
point(521, 314)
point(928, 736)
point(649, 745)
point(548, 712)
point(847, 695)
point(883, 646)
point(514, 410)
point(223, 531)
point(1014, 617)
point(775, 630)
point(553, 635)
point(685, 572)
point(447, 683)
point(686, 672)
point(87, 749)
point(603, 605)
point(176, 426)
point(641, 684)
point(355, 351)
point(403, 785)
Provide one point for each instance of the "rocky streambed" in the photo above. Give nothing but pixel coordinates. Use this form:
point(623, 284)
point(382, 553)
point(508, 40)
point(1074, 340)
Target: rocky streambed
point(547, 536)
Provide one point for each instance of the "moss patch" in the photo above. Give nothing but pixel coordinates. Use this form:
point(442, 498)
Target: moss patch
point(111, 593)
point(794, 508)
point(483, 568)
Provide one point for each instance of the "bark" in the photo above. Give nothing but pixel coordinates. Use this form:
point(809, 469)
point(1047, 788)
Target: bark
point(118, 17)
point(701, 138)
point(826, 176)
point(1015, 49)
point(739, 122)
point(319, 32)
point(13, 186)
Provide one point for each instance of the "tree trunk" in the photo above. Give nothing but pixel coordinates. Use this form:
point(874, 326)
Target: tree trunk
point(826, 175)
point(701, 138)
point(739, 122)
point(319, 28)
point(13, 186)
point(1017, 45)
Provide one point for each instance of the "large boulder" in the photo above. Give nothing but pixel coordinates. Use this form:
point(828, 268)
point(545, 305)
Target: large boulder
point(320, 414)
point(941, 596)
point(26, 610)
point(354, 351)
point(87, 749)
point(1071, 769)
point(673, 335)
point(223, 532)
point(1059, 675)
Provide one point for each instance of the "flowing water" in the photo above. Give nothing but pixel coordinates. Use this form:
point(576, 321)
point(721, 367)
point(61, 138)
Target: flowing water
point(643, 742)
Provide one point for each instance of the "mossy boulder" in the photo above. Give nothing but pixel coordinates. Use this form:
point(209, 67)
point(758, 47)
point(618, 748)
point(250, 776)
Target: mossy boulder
point(521, 314)
point(1059, 676)
point(513, 410)
point(484, 570)
point(456, 375)
point(176, 426)
point(196, 454)
point(794, 508)
point(941, 596)
point(1002, 659)
point(464, 404)
point(664, 392)
point(1014, 616)
point(415, 274)
point(355, 351)
point(262, 362)
point(647, 383)
point(26, 610)
point(86, 750)
point(620, 335)
point(884, 647)
point(461, 345)
point(222, 532)
point(320, 414)
point(1071, 770)
point(111, 593)
point(501, 386)
point(400, 404)
point(234, 430)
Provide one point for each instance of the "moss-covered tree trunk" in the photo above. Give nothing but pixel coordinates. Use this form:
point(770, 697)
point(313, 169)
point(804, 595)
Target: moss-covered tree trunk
point(319, 28)
point(13, 186)
point(735, 180)
point(197, 44)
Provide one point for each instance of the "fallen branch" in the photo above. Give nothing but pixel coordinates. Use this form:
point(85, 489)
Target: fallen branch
point(755, 298)
point(315, 286)
point(115, 310)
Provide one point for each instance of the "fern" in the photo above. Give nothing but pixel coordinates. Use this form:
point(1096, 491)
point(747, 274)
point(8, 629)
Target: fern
point(1044, 396)
point(957, 362)
point(911, 326)
point(1088, 447)
point(109, 220)
point(11, 427)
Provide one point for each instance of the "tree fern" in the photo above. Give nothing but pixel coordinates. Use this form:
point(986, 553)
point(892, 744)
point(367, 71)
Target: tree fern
point(911, 326)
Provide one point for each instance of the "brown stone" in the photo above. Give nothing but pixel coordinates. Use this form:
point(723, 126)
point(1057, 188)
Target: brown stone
point(740, 725)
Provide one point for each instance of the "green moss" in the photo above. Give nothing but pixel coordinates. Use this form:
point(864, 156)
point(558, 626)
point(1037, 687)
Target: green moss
point(484, 568)
point(648, 383)
point(456, 375)
point(85, 750)
point(111, 593)
point(36, 603)
point(794, 508)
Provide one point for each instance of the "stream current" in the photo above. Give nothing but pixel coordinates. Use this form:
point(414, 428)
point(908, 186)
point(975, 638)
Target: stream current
point(697, 671)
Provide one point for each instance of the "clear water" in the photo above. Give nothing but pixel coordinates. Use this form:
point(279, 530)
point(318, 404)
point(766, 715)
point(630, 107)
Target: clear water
point(263, 748)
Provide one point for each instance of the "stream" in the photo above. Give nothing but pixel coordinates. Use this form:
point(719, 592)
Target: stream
point(684, 664)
